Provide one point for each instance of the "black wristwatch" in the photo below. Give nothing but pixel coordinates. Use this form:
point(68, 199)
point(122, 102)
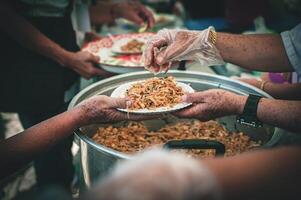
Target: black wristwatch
point(249, 115)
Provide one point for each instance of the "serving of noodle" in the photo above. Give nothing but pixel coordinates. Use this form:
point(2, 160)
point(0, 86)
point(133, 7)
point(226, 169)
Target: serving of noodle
point(135, 136)
point(154, 93)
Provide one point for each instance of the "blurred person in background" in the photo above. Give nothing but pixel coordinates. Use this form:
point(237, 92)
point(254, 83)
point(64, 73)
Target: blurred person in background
point(156, 174)
point(41, 64)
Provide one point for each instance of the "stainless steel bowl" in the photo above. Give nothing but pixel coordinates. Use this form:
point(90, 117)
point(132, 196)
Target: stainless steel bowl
point(96, 159)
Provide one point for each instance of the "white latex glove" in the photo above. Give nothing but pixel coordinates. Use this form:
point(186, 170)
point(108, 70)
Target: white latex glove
point(176, 45)
point(158, 174)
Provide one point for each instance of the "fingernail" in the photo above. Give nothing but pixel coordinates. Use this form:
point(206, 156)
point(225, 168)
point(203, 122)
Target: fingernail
point(128, 103)
point(159, 60)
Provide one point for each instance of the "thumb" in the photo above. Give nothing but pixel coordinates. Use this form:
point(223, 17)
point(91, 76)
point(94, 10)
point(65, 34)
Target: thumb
point(119, 103)
point(196, 97)
point(134, 17)
point(94, 59)
point(166, 55)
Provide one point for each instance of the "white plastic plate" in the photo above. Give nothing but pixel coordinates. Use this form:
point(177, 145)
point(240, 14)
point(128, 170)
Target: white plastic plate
point(120, 92)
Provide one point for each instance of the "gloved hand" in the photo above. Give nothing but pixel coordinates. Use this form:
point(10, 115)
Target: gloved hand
point(158, 174)
point(176, 45)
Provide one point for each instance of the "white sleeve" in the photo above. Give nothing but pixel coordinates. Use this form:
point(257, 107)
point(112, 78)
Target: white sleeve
point(81, 17)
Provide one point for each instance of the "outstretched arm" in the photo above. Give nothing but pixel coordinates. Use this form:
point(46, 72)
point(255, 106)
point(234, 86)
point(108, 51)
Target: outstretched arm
point(215, 103)
point(264, 52)
point(20, 149)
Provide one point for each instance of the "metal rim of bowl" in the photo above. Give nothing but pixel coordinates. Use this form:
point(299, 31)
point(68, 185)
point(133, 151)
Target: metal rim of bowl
point(121, 155)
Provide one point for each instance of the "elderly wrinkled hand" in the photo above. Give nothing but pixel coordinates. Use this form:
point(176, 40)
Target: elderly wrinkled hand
point(212, 104)
point(158, 175)
point(176, 45)
point(102, 109)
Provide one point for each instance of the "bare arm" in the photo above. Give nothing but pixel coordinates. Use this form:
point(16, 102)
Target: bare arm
point(27, 35)
point(284, 91)
point(215, 103)
point(270, 174)
point(255, 52)
point(20, 30)
point(279, 91)
point(280, 113)
point(22, 148)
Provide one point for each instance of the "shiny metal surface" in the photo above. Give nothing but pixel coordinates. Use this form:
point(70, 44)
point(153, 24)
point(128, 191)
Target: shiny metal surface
point(96, 160)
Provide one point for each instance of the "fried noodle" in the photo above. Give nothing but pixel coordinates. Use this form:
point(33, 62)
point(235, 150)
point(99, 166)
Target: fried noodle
point(154, 93)
point(134, 137)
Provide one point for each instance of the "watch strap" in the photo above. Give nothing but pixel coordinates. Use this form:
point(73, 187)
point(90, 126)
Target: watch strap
point(249, 115)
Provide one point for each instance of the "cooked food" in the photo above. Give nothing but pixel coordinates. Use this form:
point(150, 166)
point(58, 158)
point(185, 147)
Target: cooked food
point(155, 93)
point(133, 46)
point(135, 137)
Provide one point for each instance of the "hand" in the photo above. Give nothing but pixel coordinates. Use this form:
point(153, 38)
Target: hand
point(84, 63)
point(212, 104)
point(133, 11)
point(158, 175)
point(252, 81)
point(176, 45)
point(102, 109)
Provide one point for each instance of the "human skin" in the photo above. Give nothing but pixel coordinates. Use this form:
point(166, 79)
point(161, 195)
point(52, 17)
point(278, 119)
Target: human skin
point(262, 52)
point(20, 149)
point(83, 63)
point(285, 91)
point(216, 103)
point(106, 12)
point(262, 175)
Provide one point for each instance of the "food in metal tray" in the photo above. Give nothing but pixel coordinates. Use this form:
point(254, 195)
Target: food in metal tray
point(134, 137)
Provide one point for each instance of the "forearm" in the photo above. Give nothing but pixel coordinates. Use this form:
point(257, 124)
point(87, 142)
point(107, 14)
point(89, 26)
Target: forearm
point(101, 13)
point(270, 174)
point(280, 113)
point(283, 91)
point(264, 52)
point(29, 36)
point(18, 150)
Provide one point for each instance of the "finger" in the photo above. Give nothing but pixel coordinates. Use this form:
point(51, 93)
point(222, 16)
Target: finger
point(149, 51)
point(185, 113)
point(119, 103)
point(95, 71)
point(94, 59)
point(83, 73)
point(134, 17)
point(136, 117)
point(148, 16)
point(165, 67)
point(168, 54)
point(196, 97)
point(195, 111)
